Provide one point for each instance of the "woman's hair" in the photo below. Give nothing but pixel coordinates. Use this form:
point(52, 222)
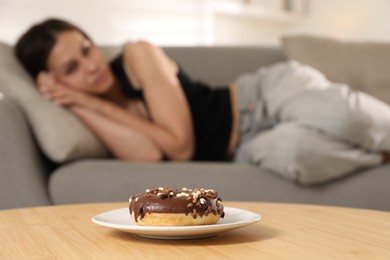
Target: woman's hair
point(34, 46)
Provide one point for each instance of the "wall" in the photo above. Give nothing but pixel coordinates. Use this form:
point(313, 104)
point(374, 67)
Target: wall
point(361, 20)
point(112, 21)
point(192, 22)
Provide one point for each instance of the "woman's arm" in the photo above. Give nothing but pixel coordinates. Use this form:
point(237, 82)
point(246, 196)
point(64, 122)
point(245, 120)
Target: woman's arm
point(159, 136)
point(157, 76)
point(122, 141)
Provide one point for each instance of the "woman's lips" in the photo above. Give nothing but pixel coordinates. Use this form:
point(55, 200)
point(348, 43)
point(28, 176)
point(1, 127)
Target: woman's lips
point(101, 77)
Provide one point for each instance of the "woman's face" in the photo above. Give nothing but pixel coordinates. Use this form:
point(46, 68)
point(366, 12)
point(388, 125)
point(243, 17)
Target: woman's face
point(77, 63)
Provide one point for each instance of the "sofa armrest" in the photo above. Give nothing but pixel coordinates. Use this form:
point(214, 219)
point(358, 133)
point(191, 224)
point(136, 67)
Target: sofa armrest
point(23, 176)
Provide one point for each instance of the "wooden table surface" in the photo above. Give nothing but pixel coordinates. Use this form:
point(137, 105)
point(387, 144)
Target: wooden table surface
point(287, 231)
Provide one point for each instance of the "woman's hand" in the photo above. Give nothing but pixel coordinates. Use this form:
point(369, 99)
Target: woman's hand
point(59, 94)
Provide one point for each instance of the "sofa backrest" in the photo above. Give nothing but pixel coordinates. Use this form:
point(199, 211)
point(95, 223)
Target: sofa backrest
point(217, 65)
point(221, 65)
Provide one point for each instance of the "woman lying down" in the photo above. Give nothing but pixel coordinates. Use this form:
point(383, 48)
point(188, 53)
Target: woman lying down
point(286, 118)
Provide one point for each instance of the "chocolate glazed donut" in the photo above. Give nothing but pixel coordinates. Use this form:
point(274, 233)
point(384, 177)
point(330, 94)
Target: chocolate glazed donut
point(165, 206)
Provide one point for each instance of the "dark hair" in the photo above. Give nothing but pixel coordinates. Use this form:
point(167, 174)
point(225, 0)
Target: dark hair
point(34, 46)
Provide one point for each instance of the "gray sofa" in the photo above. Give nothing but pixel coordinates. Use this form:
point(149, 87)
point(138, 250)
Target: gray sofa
point(29, 177)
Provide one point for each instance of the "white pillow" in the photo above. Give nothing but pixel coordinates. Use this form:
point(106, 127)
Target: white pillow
point(60, 134)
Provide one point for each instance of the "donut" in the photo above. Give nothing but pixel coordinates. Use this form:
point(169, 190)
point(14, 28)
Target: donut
point(176, 207)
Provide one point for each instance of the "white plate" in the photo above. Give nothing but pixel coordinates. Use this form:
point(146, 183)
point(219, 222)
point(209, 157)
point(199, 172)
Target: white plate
point(120, 219)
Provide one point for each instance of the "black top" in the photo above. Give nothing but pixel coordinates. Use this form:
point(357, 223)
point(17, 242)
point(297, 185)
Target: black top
point(210, 110)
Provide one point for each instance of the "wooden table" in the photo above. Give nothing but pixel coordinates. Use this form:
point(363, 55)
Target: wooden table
point(287, 231)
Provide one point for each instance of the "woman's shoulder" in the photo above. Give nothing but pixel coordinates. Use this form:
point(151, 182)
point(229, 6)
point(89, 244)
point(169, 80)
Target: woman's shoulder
point(139, 47)
point(146, 54)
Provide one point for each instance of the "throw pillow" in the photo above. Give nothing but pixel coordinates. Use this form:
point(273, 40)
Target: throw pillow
point(362, 65)
point(60, 135)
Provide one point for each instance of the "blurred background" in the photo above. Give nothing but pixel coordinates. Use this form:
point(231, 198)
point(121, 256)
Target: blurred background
point(204, 22)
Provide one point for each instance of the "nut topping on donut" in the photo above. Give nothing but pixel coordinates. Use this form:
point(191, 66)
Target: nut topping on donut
point(203, 206)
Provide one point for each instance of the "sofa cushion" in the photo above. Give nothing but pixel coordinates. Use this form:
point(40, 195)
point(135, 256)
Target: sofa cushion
point(113, 180)
point(61, 136)
point(362, 65)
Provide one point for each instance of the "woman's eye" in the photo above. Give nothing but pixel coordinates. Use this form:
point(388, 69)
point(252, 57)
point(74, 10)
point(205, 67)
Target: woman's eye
point(86, 50)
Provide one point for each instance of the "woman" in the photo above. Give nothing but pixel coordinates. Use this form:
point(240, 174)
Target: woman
point(145, 108)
